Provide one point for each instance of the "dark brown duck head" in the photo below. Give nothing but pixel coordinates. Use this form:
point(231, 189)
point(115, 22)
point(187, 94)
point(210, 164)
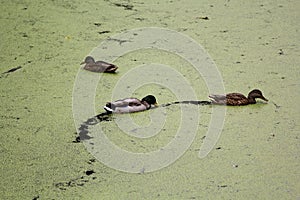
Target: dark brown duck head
point(87, 60)
point(98, 66)
point(255, 94)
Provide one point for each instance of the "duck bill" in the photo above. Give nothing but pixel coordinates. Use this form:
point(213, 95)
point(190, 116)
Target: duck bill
point(82, 63)
point(156, 104)
point(263, 98)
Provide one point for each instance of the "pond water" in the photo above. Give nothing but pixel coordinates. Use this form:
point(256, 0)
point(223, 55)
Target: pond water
point(253, 45)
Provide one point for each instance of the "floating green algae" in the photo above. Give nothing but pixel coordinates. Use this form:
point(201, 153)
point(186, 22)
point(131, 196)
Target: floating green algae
point(254, 44)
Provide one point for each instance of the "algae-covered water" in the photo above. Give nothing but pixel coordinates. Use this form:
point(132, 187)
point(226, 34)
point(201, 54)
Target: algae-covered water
point(254, 44)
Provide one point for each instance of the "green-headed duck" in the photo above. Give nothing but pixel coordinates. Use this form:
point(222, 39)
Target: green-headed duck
point(130, 105)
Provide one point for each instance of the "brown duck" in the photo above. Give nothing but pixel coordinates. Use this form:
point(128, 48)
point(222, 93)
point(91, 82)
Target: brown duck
point(98, 66)
point(237, 99)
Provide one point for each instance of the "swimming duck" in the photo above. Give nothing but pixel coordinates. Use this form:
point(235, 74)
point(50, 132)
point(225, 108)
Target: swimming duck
point(237, 99)
point(130, 105)
point(98, 66)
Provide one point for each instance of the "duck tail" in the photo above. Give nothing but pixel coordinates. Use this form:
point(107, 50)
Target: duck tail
point(108, 109)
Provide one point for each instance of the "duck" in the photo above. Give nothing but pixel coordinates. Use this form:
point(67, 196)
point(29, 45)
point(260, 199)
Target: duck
point(130, 105)
point(98, 66)
point(237, 99)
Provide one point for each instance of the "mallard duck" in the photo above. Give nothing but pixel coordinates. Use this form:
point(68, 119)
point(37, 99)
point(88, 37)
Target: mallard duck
point(98, 66)
point(237, 99)
point(130, 105)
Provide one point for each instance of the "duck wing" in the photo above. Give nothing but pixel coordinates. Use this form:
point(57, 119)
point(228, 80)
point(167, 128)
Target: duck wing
point(218, 98)
point(127, 102)
point(128, 105)
point(236, 99)
point(229, 99)
point(107, 67)
point(100, 66)
point(94, 68)
point(235, 96)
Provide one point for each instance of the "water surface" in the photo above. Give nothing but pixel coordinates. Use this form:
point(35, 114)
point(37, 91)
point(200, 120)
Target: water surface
point(254, 45)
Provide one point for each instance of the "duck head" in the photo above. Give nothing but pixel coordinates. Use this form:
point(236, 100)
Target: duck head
point(88, 59)
point(256, 94)
point(150, 99)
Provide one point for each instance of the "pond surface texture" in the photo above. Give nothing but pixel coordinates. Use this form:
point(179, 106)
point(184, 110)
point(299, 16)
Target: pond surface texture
point(254, 44)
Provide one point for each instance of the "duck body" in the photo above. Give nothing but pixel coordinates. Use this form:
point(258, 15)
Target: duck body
point(130, 105)
point(98, 66)
point(237, 99)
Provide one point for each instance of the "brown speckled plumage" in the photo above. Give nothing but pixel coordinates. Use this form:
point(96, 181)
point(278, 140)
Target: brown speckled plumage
point(237, 99)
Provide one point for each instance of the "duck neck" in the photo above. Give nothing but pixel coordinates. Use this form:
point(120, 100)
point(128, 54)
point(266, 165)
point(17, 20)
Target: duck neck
point(251, 100)
point(148, 106)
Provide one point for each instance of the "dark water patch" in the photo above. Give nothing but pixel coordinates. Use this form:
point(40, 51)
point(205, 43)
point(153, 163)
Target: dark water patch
point(118, 40)
point(224, 31)
point(77, 140)
point(76, 182)
point(277, 107)
point(105, 116)
point(125, 6)
point(97, 24)
point(203, 18)
point(139, 18)
point(280, 52)
point(9, 117)
point(36, 197)
point(25, 35)
point(91, 161)
point(89, 172)
point(187, 102)
point(271, 136)
point(12, 70)
point(83, 129)
point(103, 32)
